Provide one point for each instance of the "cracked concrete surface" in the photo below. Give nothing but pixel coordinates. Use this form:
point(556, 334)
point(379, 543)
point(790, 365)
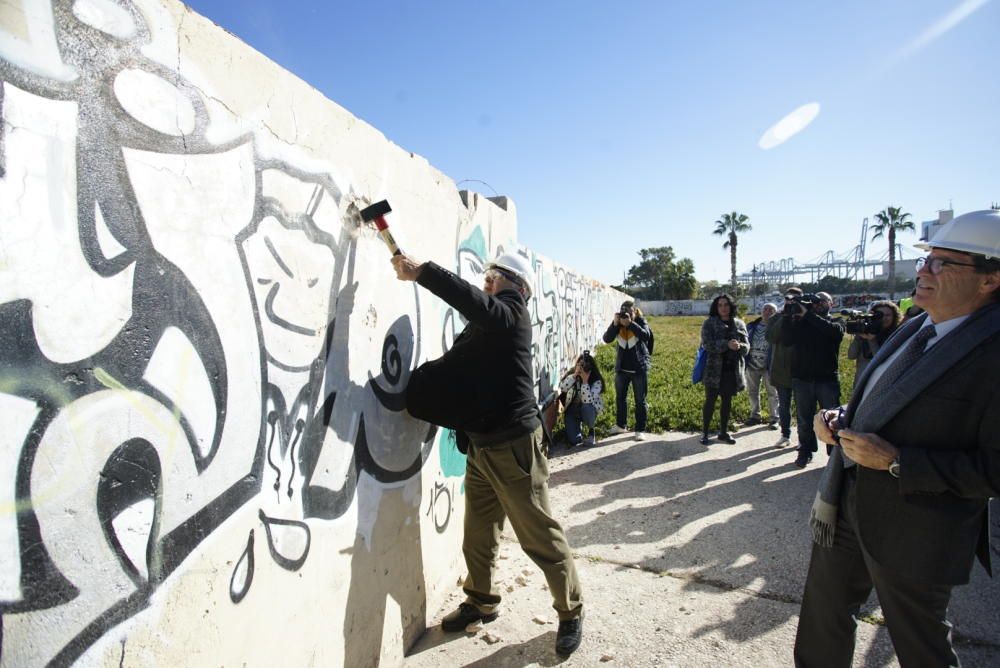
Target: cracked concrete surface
point(689, 556)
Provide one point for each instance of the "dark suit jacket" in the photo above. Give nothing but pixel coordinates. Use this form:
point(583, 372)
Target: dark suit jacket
point(944, 415)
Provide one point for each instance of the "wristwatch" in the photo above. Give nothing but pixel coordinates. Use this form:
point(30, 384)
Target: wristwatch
point(894, 468)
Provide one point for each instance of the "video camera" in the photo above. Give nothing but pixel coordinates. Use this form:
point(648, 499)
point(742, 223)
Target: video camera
point(807, 301)
point(860, 322)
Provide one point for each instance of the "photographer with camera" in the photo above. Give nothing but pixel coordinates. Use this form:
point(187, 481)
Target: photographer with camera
point(781, 366)
point(870, 330)
point(632, 364)
point(815, 338)
point(581, 394)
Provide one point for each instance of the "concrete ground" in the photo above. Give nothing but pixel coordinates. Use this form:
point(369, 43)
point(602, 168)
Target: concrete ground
point(689, 555)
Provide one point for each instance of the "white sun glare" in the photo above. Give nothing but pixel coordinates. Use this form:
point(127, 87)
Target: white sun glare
point(789, 126)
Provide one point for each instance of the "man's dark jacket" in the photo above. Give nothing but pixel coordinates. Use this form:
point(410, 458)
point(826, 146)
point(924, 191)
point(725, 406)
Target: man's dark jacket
point(816, 340)
point(483, 385)
point(944, 416)
point(636, 357)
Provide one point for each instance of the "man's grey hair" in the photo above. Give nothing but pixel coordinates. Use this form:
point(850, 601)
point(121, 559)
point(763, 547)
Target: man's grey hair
point(825, 296)
point(771, 304)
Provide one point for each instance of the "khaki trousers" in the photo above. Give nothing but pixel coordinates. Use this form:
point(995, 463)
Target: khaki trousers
point(510, 480)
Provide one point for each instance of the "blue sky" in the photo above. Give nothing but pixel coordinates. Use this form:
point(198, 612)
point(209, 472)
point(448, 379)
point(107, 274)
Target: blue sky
point(620, 126)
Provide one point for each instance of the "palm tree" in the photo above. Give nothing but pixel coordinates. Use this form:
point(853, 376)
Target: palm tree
point(729, 225)
point(891, 220)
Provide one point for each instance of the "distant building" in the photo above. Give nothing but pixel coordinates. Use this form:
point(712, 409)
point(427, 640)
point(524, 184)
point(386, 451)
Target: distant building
point(929, 228)
point(905, 269)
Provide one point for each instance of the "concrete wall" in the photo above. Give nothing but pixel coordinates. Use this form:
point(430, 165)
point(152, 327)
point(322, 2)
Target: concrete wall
point(204, 460)
point(675, 307)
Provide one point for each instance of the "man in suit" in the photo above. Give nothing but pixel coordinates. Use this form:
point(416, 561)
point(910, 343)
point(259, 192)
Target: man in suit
point(903, 503)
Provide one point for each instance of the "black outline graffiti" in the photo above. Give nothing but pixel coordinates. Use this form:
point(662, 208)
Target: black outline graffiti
point(289, 564)
point(162, 297)
point(237, 595)
point(131, 474)
point(440, 489)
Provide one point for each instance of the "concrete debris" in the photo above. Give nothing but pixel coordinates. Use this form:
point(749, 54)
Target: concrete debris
point(538, 619)
point(607, 657)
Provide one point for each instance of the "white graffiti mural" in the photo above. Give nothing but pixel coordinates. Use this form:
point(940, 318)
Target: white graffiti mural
point(191, 326)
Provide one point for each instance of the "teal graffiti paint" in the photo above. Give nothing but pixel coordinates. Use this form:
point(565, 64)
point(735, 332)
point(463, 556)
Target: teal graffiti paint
point(476, 243)
point(452, 461)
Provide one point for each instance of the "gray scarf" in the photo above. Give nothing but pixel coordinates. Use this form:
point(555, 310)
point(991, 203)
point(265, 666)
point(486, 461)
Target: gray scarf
point(978, 327)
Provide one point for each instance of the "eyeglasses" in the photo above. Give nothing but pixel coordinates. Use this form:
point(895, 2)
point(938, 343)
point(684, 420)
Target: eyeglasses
point(496, 274)
point(936, 264)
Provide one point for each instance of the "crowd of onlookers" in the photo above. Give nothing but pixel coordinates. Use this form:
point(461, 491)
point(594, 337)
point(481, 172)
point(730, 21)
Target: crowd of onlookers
point(913, 458)
point(791, 352)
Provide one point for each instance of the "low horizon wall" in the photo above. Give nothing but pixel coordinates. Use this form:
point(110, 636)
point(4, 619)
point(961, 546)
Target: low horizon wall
point(203, 353)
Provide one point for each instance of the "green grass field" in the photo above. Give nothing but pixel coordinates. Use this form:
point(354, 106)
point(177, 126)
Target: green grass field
point(674, 403)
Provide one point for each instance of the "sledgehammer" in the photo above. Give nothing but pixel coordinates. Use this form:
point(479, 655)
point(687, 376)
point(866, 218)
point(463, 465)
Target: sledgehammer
point(376, 213)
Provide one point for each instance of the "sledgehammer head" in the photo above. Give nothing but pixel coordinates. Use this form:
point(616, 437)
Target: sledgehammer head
point(376, 212)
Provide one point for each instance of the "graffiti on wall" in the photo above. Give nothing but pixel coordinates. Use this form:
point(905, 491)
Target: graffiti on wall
point(187, 328)
point(156, 390)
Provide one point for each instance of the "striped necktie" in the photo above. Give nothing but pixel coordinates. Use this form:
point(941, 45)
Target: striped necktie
point(914, 349)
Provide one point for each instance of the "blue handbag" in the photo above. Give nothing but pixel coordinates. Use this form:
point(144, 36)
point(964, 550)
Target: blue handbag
point(700, 358)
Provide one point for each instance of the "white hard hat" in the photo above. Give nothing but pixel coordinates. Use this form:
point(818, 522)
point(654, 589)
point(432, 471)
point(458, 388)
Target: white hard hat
point(517, 265)
point(975, 232)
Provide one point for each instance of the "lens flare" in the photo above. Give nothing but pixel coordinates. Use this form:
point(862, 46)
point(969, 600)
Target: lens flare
point(789, 126)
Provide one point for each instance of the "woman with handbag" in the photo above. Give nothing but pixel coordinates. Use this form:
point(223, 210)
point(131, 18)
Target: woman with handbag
point(724, 338)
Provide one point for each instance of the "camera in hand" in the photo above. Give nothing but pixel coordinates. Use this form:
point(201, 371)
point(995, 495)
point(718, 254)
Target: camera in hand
point(859, 322)
point(807, 301)
point(624, 314)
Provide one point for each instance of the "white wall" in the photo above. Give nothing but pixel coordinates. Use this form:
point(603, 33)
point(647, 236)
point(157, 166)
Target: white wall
point(675, 307)
point(202, 353)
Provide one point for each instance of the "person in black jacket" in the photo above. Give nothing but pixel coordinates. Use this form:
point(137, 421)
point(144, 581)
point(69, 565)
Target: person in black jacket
point(483, 388)
point(632, 364)
point(815, 379)
point(904, 503)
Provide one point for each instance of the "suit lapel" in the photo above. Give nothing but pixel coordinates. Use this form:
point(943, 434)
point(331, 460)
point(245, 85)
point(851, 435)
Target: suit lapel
point(980, 326)
point(892, 344)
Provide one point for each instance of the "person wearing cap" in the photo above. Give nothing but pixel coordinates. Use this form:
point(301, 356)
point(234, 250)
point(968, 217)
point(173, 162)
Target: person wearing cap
point(631, 333)
point(483, 388)
point(903, 504)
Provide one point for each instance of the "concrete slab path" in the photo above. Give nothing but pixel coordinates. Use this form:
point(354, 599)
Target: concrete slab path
point(690, 555)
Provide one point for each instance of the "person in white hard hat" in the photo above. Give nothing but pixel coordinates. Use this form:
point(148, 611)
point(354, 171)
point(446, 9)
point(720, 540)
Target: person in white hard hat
point(903, 505)
point(483, 388)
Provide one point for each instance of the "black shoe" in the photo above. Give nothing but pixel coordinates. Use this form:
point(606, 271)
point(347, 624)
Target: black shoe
point(803, 459)
point(752, 422)
point(772, 425)
point(465, 615)
point(726, 438)
point(705, 440)
point(569, 635)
